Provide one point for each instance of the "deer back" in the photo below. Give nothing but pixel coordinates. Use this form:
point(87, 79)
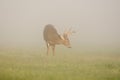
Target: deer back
point(50, 33)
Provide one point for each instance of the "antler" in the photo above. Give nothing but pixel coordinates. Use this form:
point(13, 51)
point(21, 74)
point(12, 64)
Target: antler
point(69, 32)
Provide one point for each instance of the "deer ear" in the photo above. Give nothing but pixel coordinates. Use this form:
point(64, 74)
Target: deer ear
point(62, 37)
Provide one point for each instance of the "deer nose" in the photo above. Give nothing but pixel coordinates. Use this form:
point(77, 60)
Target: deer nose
point(69, 47)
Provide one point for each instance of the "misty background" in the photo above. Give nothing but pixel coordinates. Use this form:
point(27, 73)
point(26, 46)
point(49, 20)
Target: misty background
point(96, 22)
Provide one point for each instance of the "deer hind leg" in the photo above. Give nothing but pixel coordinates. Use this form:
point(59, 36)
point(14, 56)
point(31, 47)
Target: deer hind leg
point(53, 49)
point(48, 48)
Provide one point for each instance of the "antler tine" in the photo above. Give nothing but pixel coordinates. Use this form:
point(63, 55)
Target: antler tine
point(65, 31)
point(70, 28)
point(69, 31)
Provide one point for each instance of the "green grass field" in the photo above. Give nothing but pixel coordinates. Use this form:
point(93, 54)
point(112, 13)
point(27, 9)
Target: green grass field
point(35, 65)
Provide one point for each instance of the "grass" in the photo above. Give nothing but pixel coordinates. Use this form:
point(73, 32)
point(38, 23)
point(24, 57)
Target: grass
point(35, 65)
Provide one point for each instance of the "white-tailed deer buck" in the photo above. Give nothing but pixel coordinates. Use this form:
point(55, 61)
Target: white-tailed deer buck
point(52, 37)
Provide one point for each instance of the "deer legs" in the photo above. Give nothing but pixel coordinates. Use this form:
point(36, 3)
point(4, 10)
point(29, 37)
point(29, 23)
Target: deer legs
point(48, 49)
point(53, 49)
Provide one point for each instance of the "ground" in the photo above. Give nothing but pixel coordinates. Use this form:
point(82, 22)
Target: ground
point(65, 65)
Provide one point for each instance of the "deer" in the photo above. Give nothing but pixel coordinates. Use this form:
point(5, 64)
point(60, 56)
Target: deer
point(52, 38)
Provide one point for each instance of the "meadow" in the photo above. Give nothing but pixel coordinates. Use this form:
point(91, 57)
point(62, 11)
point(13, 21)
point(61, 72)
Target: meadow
point(65, 65)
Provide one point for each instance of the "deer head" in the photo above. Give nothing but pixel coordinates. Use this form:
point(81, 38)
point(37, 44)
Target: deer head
point(65, 39)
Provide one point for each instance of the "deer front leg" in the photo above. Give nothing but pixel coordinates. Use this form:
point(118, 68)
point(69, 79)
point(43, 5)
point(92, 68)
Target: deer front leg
point(53, 49)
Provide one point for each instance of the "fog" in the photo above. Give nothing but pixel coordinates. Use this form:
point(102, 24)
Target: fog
point(96, 22)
